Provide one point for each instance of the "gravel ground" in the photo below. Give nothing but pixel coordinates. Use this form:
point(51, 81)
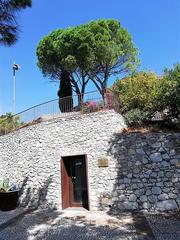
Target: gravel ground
point(46, 225)
point(71, 225)
point(6, 216)
point(165, 226)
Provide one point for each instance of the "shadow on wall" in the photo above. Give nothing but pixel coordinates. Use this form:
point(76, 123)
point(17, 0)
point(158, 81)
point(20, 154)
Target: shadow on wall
point(147, 175)
point(34, 196)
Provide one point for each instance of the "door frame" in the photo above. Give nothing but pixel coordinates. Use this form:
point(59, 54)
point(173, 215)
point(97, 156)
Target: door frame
point(65, 196)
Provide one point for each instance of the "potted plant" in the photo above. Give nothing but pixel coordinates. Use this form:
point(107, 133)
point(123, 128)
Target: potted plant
point(9, 196)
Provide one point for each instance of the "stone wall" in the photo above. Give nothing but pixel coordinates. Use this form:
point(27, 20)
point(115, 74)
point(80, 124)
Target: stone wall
point(31, 156)
point(148, 171)
point(143, 169)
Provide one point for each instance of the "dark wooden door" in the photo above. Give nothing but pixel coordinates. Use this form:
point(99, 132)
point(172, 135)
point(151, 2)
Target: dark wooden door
point(74, 182)
point(78, 186)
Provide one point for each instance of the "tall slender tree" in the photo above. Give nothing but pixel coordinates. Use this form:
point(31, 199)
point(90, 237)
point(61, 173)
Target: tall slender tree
point(65, 92)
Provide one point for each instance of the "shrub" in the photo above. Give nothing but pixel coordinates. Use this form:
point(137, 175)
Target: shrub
point(168, 94)
point(142, 95)
point(137, 92)
point(9, 123)
point(136, 117)
point(89, 107)
point(137, 98)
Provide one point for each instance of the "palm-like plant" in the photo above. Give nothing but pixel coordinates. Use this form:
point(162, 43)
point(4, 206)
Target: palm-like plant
point(9, 27)
point(9, 123)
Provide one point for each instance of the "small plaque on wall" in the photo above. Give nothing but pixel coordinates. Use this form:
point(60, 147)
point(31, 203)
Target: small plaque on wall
point(103, 162)
point(178, 165)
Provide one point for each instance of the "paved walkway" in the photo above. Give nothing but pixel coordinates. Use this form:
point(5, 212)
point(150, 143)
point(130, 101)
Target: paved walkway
point(73, 225)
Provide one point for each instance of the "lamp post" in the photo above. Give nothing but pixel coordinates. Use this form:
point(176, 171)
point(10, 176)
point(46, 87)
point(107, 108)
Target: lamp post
point(15, 68)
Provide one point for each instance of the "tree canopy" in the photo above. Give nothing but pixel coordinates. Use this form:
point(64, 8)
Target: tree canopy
point(92, 51)
point(9, 27)
point(143, 94)
point(168, 93)
point(114, 52)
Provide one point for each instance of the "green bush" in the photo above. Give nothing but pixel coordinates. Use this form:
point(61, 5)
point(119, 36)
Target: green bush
point(168, 94)
point(136, 117)
point(137, 91)
point(9, 123)
point(143, 94)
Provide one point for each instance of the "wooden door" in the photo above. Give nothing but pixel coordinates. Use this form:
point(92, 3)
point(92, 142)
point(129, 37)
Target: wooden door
point(74, 182)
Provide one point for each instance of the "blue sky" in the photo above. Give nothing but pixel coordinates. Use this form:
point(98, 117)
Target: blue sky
point(154, 26)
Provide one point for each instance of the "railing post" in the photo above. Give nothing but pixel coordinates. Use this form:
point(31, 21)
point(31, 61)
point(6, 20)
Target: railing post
point(34, 113)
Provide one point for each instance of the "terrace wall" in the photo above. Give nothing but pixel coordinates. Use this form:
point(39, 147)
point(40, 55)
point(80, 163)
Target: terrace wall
point(143, 169)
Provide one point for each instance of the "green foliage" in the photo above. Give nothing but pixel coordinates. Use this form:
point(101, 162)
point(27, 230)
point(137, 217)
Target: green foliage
point(66, 50)
point(93, 51)
point(18, 4)
point(8, 123)
point(5, 185)
point(137, 92)
point(114, 52)
point(143, 94)
point(136, 117)
point(168, 93)
point(8, 24)
point(137, 97)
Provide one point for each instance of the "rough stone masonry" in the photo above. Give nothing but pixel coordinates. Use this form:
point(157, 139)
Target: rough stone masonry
point(143, 170)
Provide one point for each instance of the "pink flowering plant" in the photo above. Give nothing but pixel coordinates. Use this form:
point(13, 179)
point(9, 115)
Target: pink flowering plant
point(91, 106)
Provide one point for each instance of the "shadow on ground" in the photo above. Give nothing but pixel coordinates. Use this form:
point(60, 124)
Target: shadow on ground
point(36, 224)
point(46, 225)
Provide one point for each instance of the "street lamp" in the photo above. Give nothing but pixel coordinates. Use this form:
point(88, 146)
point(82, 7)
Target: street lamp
point(15, 68)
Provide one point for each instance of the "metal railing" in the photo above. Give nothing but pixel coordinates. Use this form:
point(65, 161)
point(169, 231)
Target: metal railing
point(63, 107)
